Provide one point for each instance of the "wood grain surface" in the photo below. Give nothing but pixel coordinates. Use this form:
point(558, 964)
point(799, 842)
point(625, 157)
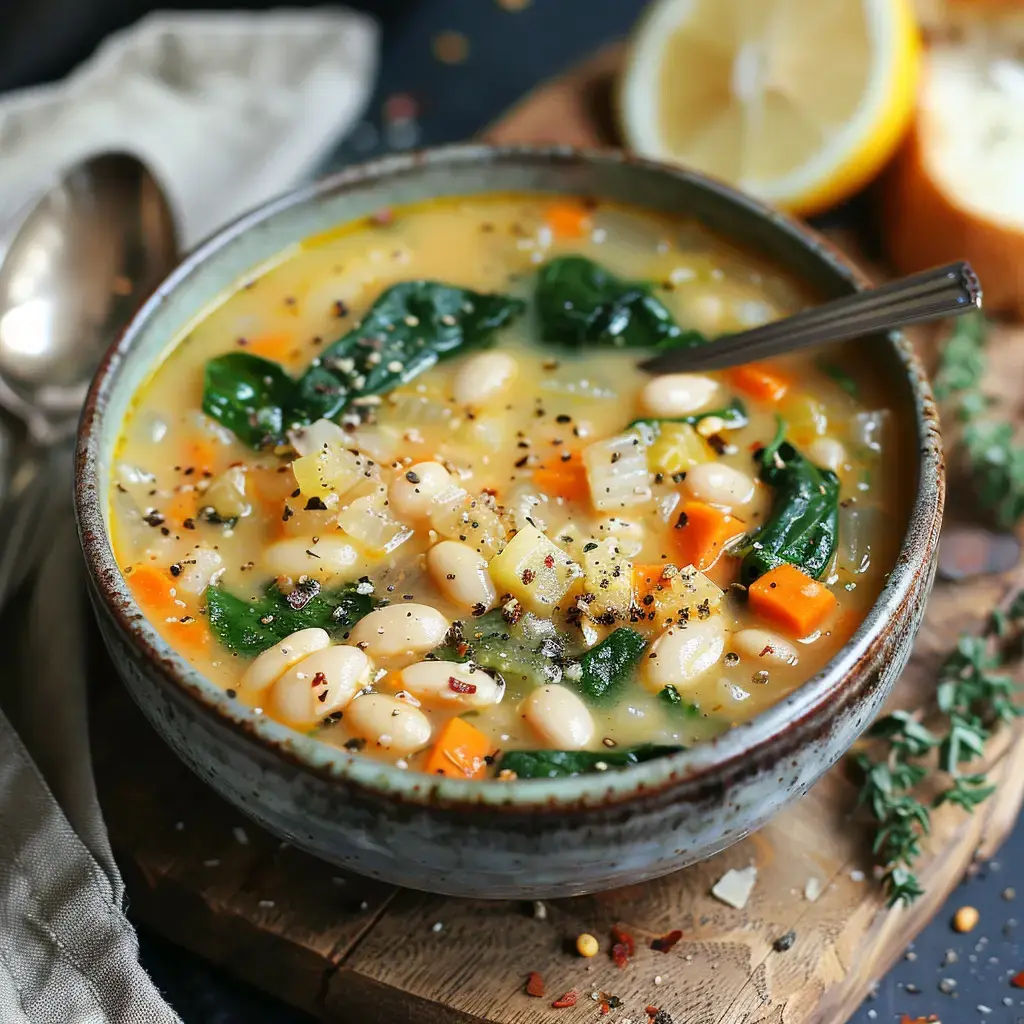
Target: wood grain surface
point(352, 950)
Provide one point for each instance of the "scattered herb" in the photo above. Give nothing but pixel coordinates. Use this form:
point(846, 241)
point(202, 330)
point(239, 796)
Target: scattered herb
point(551, 764)
point(973, 697)
point(248, 627)
point(995, 462)
point(841, 377)
point(733, 416)
point(410, 327)
point(581, 303)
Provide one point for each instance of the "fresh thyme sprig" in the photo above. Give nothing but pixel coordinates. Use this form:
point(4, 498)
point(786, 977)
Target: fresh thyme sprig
point(974, 696)
point(995, 462)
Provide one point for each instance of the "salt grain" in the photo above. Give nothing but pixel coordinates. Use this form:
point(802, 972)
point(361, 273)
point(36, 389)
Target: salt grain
point(857, 876)
point(657, 979)
point(266, 904)
point(540, 911)
point(179, 826)
point(437, 926)
point(812, 889)
point(240, 837)
point(213, 862)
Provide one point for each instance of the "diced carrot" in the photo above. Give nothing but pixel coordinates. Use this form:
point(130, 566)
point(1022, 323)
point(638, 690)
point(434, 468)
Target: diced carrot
point(647, 579)
point(181, 507)
point(568, 219)
point(564, 479)
point(278, 347)
point(151, 586)
point(702, 532)
point(187, 634)
point(459, 752)
point(201, 456)
point(791, 600)
point(758, 381)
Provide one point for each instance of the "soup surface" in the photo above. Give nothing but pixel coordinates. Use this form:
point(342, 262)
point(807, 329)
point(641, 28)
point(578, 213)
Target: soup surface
point(408, 491)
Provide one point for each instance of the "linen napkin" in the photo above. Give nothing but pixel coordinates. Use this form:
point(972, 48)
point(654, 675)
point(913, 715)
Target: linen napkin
point(227, 110)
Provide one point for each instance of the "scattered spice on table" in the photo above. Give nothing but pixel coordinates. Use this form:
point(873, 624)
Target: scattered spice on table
point(535, 985)
point(623, 946)
point(965, 919)
point(1017, 981)
point(565, 1000)
point(930, 1019)
point(665, 943)
point(784, 942)
point(657, 1016)
point(451, 47)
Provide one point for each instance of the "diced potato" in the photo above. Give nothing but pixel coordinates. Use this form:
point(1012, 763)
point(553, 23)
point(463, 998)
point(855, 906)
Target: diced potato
point(805, 418)
point(535, 571)
point(368, 521)
point(226, 494)
point(681, 595)
point(330, 471)
point(617, 472)
point(677, 448)
point(608, 580)
point(469, 520)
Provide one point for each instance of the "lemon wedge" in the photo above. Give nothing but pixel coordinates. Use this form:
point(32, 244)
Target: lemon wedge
point(799, 102)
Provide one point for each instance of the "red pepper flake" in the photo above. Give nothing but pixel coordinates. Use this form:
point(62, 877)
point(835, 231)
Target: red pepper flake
point(535, 985)
point(382, 217)
point(528, 576)
point(566, 1000)
point(930, 1019)
point(1017, 981)
point(401, 107)
point(460, 686)
point(667, 941)
point(624, 938)
point(549, 561)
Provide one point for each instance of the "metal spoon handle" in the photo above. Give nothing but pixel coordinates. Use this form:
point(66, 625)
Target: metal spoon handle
point(931, 295)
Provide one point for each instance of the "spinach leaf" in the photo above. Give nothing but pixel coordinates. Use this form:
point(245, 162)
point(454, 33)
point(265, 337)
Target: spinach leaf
point(410, 327)
point(734, 416)
point(609, 666)
point(581, 303)
point(251, 396)
point(803, 526)
point(671, 696)
point(551, 764)
point(249, 626)
point(841, 377)
point(490, 642)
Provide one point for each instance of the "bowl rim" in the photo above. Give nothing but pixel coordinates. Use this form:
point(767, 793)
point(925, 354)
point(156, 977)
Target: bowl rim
point(724, 757)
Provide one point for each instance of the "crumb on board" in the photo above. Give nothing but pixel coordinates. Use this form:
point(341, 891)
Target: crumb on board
point(451, 47)
point(735, 886)
point(812, 889)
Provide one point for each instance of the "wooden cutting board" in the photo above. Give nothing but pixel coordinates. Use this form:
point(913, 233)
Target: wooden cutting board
point(351, 950)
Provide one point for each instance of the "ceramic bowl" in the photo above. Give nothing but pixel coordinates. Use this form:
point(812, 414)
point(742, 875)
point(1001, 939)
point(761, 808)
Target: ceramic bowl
point(528, 838)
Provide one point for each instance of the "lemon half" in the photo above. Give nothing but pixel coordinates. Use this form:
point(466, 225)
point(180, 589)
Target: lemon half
point(799, 102)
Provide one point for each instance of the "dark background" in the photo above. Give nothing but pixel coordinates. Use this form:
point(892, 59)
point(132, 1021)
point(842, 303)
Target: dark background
point(509, 53)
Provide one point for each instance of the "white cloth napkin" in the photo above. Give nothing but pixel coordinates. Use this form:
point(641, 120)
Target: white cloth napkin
point(228, 110)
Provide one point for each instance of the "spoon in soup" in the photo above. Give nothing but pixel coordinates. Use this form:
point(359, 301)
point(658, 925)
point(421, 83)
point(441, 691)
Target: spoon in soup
point(935, 294)
point(74, 268)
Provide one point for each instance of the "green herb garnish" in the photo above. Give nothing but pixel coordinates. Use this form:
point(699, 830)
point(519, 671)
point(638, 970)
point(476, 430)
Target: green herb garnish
point(973, 697)
point(995, 462)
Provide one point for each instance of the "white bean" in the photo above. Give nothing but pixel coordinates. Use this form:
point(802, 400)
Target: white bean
point(450, 682)
point(461, 574)
point(827, 452)
point(299, 556)
point(763, 645)
point(719, 484)
point(319, 685)
point(682, 654)
point(559, 717)
point(412, 492)
point(677, 394)
point(483, 377)
point(272, 663)
point(388, 723)
point(400, 629)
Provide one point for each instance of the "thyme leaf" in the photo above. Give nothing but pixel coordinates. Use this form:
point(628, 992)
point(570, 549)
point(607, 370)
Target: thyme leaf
point(974, 696)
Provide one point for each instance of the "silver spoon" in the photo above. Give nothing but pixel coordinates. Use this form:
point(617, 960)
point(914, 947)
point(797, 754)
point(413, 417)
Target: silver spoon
point(75, 266)
point(931, 295)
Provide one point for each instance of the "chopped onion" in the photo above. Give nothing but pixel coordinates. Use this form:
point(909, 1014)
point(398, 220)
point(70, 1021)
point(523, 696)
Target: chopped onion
point(868, 428)
point(469, 520)
point(198, 570)
point(857, 525)
point(617, 472)
point(368, 522)
point(415, 410)
point(307, 440)
point(383, 443)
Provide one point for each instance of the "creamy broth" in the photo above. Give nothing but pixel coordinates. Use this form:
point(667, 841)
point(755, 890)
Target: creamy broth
point(508, 490)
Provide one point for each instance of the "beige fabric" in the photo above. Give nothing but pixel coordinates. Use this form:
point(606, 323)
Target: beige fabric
point(228, 110)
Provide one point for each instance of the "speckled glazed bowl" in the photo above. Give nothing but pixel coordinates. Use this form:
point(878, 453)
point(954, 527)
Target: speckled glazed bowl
point(529, 838)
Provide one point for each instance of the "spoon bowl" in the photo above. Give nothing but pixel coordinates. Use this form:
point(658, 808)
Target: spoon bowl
point(81, 258)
